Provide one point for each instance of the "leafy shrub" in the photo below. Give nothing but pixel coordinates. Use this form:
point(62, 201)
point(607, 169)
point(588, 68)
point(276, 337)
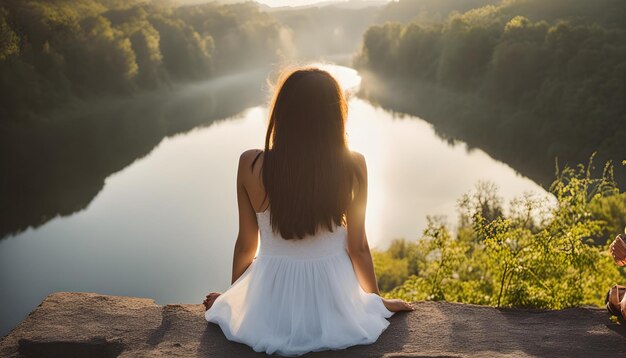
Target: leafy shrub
point(542, 254)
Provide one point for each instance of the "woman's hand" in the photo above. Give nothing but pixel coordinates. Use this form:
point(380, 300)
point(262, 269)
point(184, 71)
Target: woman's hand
point(210, 299)
point(397, 305)
point(618, 251)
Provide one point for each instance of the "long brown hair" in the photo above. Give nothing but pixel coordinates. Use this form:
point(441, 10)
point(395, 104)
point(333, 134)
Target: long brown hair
point(308, 169)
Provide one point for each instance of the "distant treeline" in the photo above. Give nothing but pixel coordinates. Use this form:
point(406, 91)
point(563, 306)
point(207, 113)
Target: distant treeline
point(427, 10)
point(55, 50)
point(546, 79)
point(318, 31)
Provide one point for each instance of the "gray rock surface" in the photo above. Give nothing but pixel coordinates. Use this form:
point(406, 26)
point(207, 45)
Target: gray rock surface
point(72, 324)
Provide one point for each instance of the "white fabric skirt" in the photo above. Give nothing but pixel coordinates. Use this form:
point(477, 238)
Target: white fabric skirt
point(293, 305)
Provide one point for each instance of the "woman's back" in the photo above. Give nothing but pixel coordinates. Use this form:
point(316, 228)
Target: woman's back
point(323, 243)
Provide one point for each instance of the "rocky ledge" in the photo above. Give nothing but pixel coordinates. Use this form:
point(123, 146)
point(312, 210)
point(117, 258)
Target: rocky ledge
point(72, 324)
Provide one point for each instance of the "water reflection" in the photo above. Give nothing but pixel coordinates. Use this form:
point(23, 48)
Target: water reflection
point(413, 173)
point(57, 166)
point(164, 227)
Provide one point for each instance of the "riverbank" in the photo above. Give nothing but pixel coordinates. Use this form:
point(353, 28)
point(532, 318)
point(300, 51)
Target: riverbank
point(94, 325)
point(498, 129)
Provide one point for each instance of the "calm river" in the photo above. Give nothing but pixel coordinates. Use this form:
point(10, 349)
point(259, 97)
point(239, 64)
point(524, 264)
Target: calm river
point(164, 227)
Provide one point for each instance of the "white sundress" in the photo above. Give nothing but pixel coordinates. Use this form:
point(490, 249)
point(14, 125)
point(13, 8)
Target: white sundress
point(299, 296)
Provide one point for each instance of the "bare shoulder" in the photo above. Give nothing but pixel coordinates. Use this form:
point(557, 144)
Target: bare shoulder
point(361, 168)
point(248, 156)
point(359, 159)
point(250, 162)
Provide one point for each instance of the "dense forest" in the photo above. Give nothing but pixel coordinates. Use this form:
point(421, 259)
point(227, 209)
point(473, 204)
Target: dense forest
point(528, 81)
point(55, 51)
point(64, 50)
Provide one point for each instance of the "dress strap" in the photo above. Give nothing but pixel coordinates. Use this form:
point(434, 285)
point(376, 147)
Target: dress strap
point(255, 159)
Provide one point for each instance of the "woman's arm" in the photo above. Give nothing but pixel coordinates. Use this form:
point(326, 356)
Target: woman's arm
point(248, 237)
point(358, 248)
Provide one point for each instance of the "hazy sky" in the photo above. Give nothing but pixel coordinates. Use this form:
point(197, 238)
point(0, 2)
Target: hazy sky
point(291, 2)
point(276, 3)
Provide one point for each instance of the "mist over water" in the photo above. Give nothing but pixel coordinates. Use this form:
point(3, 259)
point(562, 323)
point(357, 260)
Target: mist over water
point(163, 226)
